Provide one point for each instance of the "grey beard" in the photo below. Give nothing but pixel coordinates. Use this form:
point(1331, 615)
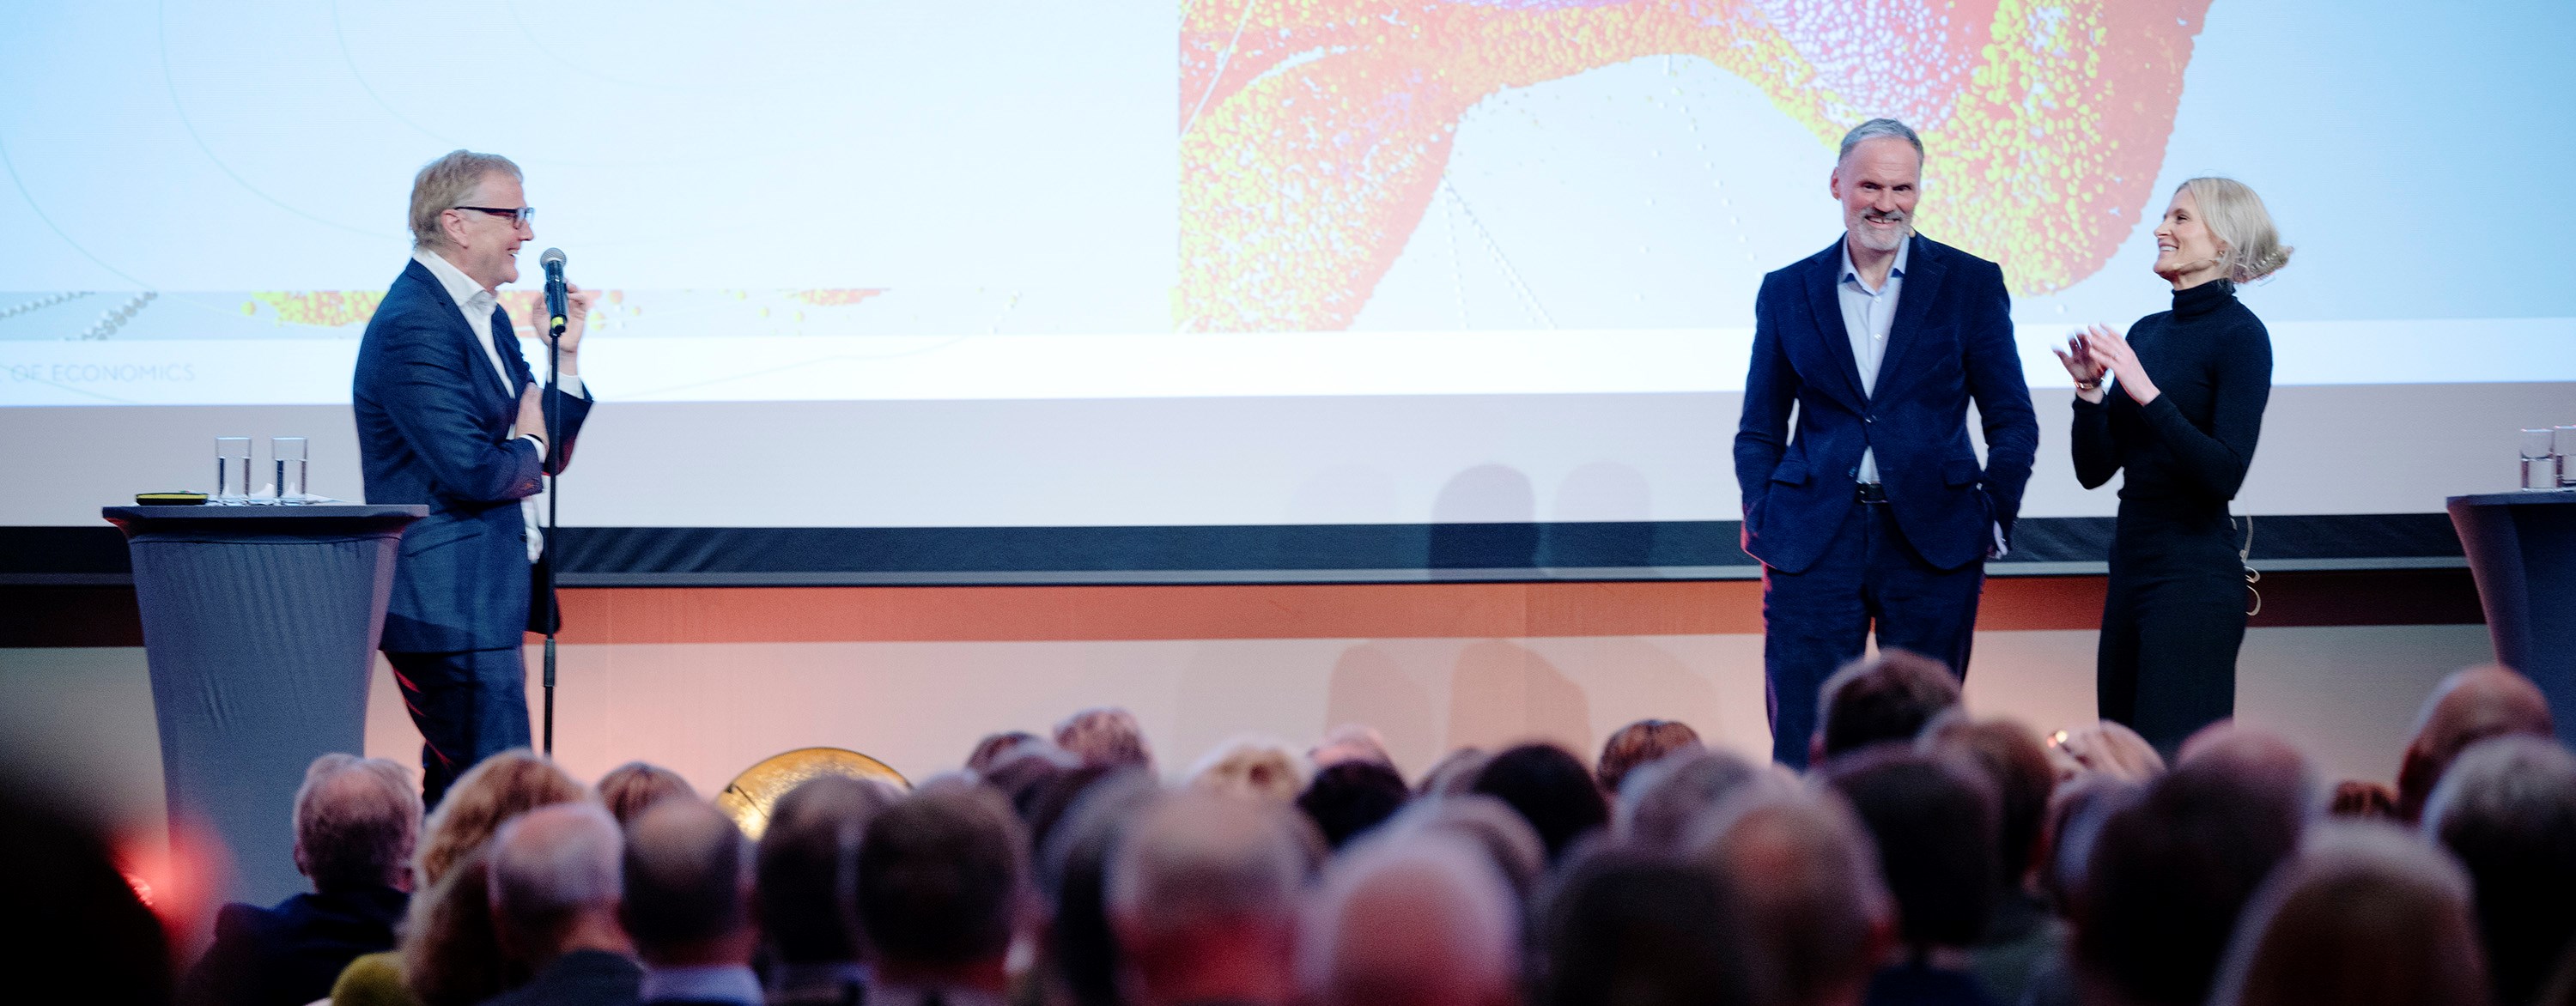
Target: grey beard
point(1905, 230)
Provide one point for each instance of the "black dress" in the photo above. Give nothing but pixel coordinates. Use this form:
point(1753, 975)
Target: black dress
point(2176, 611)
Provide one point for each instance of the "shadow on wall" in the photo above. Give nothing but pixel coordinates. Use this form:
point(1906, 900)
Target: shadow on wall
point(1502, 694)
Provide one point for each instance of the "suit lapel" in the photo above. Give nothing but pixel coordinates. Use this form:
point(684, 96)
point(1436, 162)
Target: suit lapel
point(1923, 271)
point(1832, 339)
point(454, 318)
point(511, 357)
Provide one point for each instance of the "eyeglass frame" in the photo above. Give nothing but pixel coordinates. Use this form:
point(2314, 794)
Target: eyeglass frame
point(518, 215)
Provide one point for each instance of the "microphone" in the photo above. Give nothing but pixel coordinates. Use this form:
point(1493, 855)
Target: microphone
point(553, 261)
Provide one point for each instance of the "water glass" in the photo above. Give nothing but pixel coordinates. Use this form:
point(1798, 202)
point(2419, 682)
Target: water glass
point(288, 452)
point(232, 470)
point(2566, 450)
point(2540, 459)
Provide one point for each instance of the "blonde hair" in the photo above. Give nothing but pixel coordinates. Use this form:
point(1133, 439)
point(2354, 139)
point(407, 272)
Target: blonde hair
point(495, 790)
point(446, 182)
point(1256, 768)
point(2249, 248)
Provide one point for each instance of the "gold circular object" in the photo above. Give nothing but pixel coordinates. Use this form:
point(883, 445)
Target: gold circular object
point(749, 796)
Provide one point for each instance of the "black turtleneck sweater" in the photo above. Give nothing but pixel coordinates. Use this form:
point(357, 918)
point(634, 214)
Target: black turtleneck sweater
point(2211, 361)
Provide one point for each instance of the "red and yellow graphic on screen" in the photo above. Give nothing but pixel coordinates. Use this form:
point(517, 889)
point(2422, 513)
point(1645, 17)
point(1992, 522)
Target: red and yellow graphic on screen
point(1314, 132)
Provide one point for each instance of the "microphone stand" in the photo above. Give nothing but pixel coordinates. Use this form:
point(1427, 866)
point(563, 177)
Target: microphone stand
point(554, 421)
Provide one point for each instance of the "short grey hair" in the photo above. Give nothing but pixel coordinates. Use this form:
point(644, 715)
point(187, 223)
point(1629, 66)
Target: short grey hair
point(1196, 857)
point(356, 821)
point(446, 182)
point(1443, 898)
point(1876, 129)
point(1808, 873)
point(2249, 248)
point(551, 862)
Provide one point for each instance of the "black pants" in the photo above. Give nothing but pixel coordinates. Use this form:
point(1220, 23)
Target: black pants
point(2173, 621)
point(468, 705)
point(1869, 578)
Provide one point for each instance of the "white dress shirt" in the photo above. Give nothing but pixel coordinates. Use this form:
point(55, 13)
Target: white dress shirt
point(476, 303)
point(1867, 316)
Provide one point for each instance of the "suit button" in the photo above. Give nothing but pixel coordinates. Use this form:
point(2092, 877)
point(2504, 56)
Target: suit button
point(1869, 419)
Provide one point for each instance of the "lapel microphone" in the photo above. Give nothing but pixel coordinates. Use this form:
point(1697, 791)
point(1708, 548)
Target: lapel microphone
point(553, 261)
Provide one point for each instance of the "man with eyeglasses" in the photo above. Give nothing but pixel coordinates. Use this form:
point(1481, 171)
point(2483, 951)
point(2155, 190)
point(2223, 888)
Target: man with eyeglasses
point(451, 416)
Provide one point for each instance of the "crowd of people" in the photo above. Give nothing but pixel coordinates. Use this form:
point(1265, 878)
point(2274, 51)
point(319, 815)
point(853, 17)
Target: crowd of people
point(1929, 856)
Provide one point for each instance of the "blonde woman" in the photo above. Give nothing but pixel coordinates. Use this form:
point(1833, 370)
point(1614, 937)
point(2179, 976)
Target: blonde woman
point(2191, 384)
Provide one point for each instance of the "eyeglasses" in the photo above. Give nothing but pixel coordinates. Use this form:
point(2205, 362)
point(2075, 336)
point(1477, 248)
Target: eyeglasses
point(520, 215)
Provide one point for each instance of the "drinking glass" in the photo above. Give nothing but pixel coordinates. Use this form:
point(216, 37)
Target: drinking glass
point(2539, 459)
point(288, 452)
point(232, 470)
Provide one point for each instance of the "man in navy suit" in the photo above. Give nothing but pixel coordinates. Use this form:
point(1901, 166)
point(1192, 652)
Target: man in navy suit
point(1876, 513)
point(356, 823)
point(449, 415)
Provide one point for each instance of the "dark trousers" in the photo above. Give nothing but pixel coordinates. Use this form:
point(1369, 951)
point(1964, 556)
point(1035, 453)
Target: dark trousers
point(468, 705)
point(2172, 622)
point(1817, 621)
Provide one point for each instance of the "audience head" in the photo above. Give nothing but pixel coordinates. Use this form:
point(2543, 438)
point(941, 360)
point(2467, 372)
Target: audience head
point(1203, 896)
point(1629, 929)
point(357, 822)
point(2468, 707)
point(1808, 874)
point(941, 878)
point(1660, 801)
point(1550, 788)
point(1487, 825)
point(2363, 915)
point(2011, 758)
point(2507, 809)
point(495, 790)
point(1935, 823)
point(552, 880)
point(1104, 736)
point(2363, 800)
point(2075, 815)
point(805, 872)
point(1252, 768)
point(2259, 757)
point(994, 747)
point(1413, 919)
point(627, 789)
point(2105, 748)
point(1351, 742)
point(1889, 697)
point(1349, 797)
point(1073, 864)
point(1640, 743)
point(2170, 871)
point(1454, 773)
point(688, 886)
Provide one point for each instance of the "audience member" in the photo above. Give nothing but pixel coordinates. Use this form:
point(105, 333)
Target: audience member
point(2362, 915)
point(1029, 774)
point(1817, 906)
point(1454, 773)
point(555, 891)
point(1252, 768)
point(1659, 802)
point(357, 822)
point(2363, 800)
point(2468, 707)
point(1934, 820)
point(994, 747)
point(942, 877)
point(1203, 897)
point(804, 890)
point(2170, 871)
point(1349, 797)
point(687, 905)
point(2021, 933)
point(1351, 742)
point(1889, 697)
point(2507, 809)
point(1488, 825)
point(449, 954)
point(1082, 958)
point(1105, 736)
point(1411, 919)
point(2105, 748)
point(627, 789)
point(1551, 789)
point(1640, 743)
point(1629, 929)
point(82, 922)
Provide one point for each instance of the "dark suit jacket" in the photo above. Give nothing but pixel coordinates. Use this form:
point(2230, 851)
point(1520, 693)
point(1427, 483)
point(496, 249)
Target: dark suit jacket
point(1952, 343)
point(579, 978)
point(289, 955)
point(434, 428)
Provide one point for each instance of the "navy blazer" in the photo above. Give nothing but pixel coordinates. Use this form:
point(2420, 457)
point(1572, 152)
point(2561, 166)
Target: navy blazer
point(289, 955)
point(1952, 343)
point(434, 428)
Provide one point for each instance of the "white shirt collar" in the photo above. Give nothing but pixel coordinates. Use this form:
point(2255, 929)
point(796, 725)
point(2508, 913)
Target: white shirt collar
point(465, 290)
point(1851, 273)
